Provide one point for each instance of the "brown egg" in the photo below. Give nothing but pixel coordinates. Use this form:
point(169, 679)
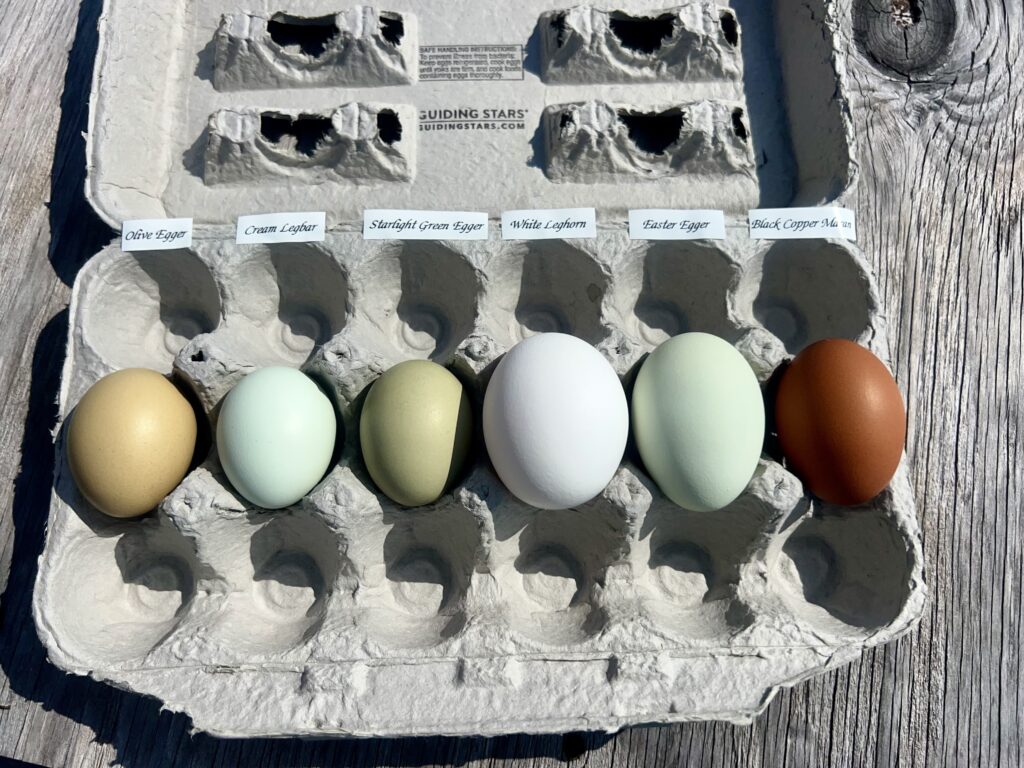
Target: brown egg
point(130, 441)
point(841, 421)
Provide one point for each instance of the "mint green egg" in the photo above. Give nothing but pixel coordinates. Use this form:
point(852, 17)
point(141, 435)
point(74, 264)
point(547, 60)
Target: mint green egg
point(698, 420)
point(275, 436)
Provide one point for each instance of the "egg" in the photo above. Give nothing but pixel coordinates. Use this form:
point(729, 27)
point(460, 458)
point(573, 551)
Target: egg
point(841, 421)
point(555, 421)
point(130, 441)
point(275, 436)
point(698, 420)
point(415, 431)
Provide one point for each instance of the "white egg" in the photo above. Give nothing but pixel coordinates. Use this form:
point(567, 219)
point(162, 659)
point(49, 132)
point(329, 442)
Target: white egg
point(555, 421)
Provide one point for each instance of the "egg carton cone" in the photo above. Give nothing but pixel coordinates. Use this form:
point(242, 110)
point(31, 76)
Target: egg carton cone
point(476, 615)
point(360, 46)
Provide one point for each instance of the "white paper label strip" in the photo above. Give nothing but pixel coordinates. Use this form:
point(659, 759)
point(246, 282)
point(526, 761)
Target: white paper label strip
point(156, 234)
point(802, 223)
point(307, 227)
point(549, 224)
point(672, 224)
point(424, 225)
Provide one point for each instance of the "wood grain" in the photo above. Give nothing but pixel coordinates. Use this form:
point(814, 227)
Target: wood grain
point(937, 102)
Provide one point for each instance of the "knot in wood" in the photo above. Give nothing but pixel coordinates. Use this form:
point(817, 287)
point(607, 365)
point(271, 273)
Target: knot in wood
point(908, 38)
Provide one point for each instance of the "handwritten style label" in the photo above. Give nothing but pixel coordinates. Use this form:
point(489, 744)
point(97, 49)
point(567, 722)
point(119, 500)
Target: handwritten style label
point(156, 234)
point(549, 224)
point(306, 227)
point(424, 225)
point(802, 223)
point(672, 224)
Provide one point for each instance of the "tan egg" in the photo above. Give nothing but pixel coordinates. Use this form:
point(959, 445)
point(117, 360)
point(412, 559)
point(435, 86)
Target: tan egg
point(130, 441)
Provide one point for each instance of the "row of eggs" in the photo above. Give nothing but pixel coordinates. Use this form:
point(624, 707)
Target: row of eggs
point(555, 425)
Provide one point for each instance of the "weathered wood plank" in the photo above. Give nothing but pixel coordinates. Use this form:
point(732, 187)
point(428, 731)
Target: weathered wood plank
point(937, 98)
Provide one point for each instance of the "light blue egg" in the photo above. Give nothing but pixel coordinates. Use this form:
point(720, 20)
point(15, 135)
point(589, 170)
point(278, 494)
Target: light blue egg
point(698, 420)
point(275, 436)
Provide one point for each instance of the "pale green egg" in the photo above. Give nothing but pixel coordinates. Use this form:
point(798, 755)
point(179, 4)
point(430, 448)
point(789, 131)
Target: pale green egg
point(275, 436)
point(698, 420)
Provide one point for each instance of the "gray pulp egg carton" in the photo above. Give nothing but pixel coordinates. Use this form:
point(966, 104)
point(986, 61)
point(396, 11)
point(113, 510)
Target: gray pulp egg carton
point(346, 614)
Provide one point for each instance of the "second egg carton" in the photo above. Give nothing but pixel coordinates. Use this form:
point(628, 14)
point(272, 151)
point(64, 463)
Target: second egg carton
point(477, 614)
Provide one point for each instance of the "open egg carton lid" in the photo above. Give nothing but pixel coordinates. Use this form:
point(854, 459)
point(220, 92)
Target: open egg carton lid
point(220, 109)
point(477, 615)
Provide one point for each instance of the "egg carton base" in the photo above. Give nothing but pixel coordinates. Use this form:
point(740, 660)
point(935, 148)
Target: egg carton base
point(344, 613)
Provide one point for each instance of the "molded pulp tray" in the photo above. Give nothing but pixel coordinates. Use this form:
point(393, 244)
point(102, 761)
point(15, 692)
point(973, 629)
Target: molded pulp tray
point(475, 615)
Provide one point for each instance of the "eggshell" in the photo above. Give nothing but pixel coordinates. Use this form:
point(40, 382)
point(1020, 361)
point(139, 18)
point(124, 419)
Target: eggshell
point(130, 441)
point(275, 436)
point(415, 431)
point(555, 421)
point(698, 420)
point(841, 421)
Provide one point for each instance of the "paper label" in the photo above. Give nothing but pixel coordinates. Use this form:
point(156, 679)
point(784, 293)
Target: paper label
point(307, 227)
point(549, 224)
point(802, 223)
point(462, 63)
point(672, 224)
point(424, 225)
point(156, 234)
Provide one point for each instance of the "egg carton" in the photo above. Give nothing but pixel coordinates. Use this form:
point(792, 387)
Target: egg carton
point(476, 615)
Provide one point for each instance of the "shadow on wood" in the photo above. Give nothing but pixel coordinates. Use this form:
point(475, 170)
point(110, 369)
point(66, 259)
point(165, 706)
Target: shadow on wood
point(76, 232)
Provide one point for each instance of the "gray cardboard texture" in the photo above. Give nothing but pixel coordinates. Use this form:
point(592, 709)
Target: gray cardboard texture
point(346, 614)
